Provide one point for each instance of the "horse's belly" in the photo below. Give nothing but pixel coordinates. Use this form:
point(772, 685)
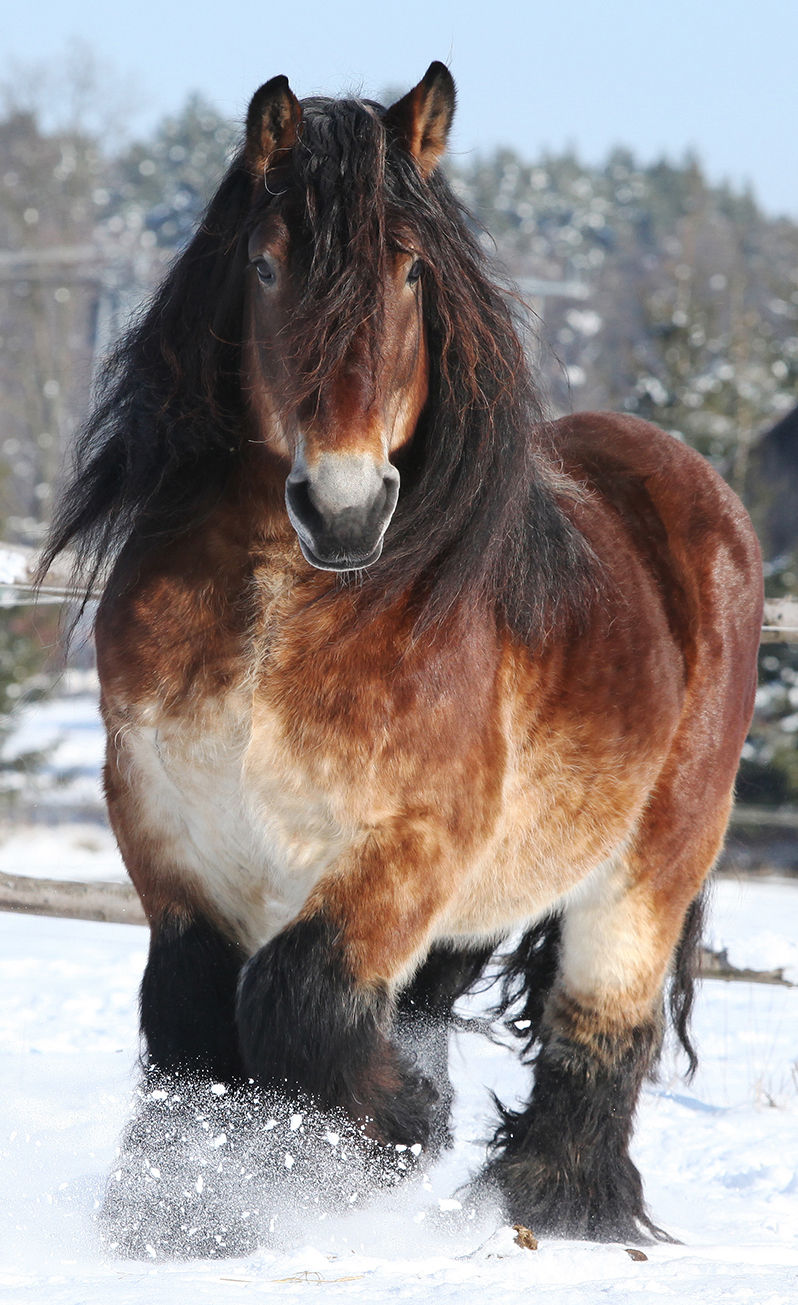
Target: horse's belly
point(254, 840)
point(562, 819)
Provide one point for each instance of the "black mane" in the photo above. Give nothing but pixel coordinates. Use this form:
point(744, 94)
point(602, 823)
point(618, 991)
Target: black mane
point(481, 511)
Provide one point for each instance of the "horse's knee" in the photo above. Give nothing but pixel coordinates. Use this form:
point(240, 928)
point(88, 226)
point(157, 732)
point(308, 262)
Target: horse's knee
point(187, 999)
point(614, 951)
point(306, 1025)
point(302, 1019)
point(619, 953)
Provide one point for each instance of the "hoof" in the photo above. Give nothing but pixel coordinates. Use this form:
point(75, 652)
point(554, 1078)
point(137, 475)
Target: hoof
point(531, 1197)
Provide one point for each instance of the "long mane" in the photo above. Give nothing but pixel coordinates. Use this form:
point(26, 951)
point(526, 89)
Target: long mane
point(482, 510)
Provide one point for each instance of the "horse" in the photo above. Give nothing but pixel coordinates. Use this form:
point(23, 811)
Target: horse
point(395, 668)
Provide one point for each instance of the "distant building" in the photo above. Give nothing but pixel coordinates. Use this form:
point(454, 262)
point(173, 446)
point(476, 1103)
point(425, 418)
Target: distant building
point(775, 482)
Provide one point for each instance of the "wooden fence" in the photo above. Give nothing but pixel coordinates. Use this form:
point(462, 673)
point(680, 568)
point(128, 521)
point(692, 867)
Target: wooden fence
point(119, 904)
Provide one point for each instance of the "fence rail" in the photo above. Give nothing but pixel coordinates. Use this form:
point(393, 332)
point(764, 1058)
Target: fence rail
point(110, 903)
point(765, 818)
point(780, 622)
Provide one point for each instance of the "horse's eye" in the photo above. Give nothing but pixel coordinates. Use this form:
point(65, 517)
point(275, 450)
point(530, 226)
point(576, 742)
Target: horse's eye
point(415, 272)
point(265, 271)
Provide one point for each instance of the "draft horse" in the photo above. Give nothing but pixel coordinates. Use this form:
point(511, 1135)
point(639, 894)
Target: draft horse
point(392, 666)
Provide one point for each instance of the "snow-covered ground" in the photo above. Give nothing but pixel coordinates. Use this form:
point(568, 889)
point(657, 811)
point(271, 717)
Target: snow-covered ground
point(720, 1158)
point(81, 851)
point(67, 729)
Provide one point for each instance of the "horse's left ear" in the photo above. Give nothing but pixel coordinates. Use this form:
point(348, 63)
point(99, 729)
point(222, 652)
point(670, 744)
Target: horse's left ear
point(422, 118)
point(273, 121)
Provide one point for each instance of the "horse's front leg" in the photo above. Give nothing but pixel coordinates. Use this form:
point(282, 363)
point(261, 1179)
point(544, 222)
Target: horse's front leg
point(562, 1163)
point(187, 999)
point(315, 1004)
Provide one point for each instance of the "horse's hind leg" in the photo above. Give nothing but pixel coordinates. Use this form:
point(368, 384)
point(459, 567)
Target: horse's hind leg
point(423, 1020)
point(562, 1164)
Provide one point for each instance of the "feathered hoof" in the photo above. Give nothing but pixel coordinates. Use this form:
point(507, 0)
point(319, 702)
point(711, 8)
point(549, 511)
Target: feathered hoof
point(570, 1209)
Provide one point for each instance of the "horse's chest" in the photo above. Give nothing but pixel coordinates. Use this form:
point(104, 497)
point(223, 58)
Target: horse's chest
point(256, 794)
point(255, 785)
point(228, 804)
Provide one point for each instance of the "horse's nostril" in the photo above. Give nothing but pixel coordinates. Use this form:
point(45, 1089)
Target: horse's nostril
point(301, 505)
point(390, 483)
point(340, 508)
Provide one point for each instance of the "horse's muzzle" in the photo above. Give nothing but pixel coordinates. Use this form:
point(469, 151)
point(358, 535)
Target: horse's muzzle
point(340, 509)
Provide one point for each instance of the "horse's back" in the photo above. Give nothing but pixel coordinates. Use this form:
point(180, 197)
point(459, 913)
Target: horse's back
point(686, 521)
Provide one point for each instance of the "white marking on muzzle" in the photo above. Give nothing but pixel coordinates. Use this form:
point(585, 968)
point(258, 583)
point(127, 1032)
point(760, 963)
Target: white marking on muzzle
point(341, 507)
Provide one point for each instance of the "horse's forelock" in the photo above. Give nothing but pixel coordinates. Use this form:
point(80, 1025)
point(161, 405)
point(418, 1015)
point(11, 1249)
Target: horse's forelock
point(332, 194)
point(479, 506)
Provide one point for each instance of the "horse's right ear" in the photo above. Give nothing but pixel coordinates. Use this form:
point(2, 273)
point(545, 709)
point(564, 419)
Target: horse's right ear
point(273, 121)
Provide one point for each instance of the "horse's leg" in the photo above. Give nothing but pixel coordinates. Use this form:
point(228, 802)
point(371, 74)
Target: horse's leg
point(315, 1005)
point(188, 991)
point(423, 1018)
point(187, 999)
point(562, 1164)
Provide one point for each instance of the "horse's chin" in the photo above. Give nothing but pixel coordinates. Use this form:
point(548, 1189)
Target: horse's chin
point(342, 565)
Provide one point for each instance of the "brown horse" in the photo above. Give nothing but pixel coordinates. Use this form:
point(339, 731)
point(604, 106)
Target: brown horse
point(393, 667)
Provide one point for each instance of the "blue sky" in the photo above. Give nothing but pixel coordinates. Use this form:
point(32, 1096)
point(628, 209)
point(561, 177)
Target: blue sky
point(716, 77)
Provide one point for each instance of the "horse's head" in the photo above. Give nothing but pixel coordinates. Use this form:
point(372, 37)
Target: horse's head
point(335, 357)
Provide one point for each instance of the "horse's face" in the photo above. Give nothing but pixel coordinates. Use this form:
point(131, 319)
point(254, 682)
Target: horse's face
point(337, 435)
point(341, 490)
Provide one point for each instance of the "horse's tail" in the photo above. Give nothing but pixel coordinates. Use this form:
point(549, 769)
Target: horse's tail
point(685, 971)
point(528, 972)
point(527, 975)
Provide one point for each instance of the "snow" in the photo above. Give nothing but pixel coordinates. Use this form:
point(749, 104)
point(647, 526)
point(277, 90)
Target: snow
point(82, 852)
point(719, 1158)
point(69, 730)
point(15, 565)
point(760, 923)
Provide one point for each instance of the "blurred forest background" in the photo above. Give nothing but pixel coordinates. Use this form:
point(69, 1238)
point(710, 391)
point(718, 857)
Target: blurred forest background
point(658, 293)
